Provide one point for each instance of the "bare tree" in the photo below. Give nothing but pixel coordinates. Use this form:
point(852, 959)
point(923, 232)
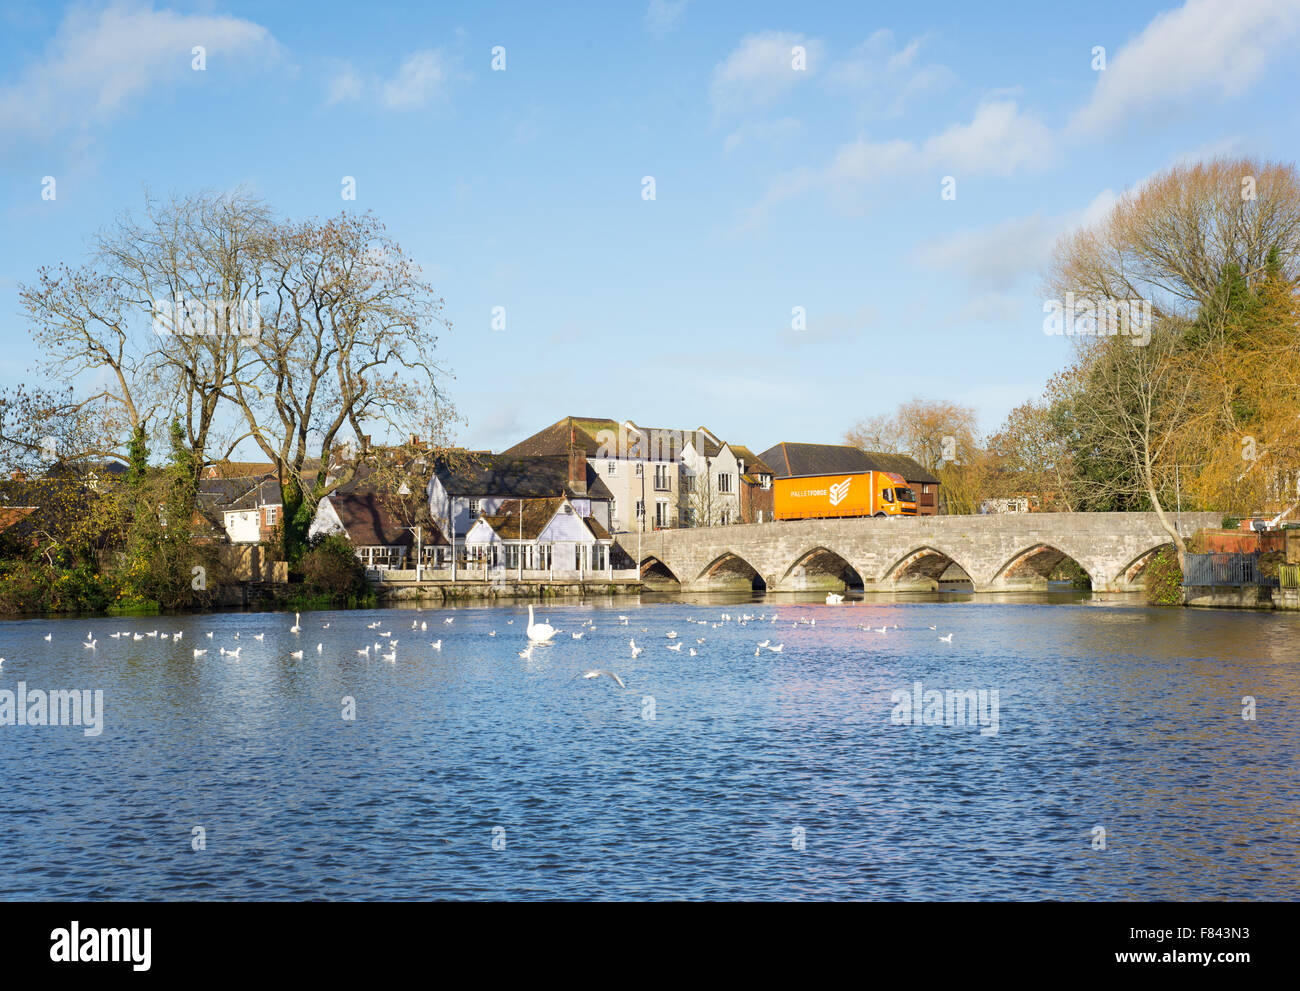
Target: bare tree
point(346, 348)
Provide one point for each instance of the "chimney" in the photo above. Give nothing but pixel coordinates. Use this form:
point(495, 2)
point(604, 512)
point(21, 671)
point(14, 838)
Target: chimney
point(577, 466)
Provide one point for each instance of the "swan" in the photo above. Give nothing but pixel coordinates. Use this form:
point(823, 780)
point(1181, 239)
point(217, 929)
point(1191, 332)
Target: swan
point(295, 628)
point(296, 654)
point(777, 649)
point(436, 645)
point(694, 652)
point(635, 649)
point(258, 636)
point(675, 646)
point(365, 652)
point(199, 653)
point(947, 639)
point(391, 656)
point(320, 647)
point(538, 632)
point(49, 637)
point(576, 636)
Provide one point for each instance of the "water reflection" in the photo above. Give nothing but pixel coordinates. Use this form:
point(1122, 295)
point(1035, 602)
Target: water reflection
point(1111, 714)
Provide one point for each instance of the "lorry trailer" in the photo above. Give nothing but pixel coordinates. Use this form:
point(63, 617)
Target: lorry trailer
point(856, 494)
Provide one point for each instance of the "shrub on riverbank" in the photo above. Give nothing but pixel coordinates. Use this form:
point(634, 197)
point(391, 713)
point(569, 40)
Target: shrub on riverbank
point(38, 587)
point(1165, 578)
point(332, 570)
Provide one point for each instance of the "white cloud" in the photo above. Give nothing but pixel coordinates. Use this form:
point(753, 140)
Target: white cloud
point(421, 77)
point(886, 78)
point(994, 259)
point(761, 70)
point(345, 87)
point(663, 16)
point(1205, 50)
point(1000, 140)
point(101, 59)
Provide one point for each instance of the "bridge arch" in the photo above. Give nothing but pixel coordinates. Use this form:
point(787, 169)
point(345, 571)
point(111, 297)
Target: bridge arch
point(924, 563)
point(820, 568)
point(729, 569)
point(1134, 574)
point(1034, 565)
point(654, 572)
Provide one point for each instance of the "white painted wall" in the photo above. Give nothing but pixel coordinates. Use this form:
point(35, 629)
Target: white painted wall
point(242, 526)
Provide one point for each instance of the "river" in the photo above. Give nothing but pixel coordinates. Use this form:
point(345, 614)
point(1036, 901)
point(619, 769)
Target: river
point(471, 772)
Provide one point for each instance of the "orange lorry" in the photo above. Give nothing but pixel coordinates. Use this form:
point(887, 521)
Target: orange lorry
point(866, 493)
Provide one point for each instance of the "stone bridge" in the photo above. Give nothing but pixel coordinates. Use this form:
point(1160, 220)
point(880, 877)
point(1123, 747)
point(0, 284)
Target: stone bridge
point(1008, 552)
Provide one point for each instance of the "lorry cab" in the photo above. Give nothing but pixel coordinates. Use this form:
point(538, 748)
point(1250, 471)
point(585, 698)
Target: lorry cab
point(893, 496)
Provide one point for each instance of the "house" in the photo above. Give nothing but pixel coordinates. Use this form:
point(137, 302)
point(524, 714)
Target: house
point(657, 477)
point(757, 498)
point(249, 507)
point(463, 488)
point(799, 460)
point(377, 534)
point(539, 535)
point(710, 481)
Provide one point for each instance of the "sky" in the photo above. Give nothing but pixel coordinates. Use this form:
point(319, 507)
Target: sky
point(798, 267)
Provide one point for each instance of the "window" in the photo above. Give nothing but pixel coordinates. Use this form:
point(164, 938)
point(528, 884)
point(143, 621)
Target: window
point(662, 478)
point(473, 507)
point(760, 516)
point(661, 513)
point(767, 483)
point(724, 482)
point(271, 514)
point(611, 467)
point(887, 495)
point(640, 469)
point(640, 509)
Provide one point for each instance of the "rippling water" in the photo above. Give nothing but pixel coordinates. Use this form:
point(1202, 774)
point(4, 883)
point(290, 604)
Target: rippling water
point(1110, 715)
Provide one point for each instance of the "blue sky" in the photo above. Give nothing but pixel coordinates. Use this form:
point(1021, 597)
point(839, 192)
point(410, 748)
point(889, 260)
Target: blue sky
point(775, 188)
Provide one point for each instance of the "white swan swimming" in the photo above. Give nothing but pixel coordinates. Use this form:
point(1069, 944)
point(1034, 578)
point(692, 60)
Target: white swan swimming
point(538, 632)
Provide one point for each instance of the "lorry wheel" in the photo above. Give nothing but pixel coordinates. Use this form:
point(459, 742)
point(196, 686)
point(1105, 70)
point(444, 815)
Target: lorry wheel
point(880, 516)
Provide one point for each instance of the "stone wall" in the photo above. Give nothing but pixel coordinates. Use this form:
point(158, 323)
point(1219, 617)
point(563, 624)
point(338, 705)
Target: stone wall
point(998, 552)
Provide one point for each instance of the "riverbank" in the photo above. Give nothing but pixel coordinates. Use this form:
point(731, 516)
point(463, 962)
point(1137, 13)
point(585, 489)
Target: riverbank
point(1255, 597)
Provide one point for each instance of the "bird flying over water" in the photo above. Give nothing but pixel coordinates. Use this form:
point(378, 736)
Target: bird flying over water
point(596, 673)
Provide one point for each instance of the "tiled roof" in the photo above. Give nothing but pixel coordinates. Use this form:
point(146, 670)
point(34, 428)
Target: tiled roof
point(584, 431)
point(232, 469)
point(797, 460)
point(9, 515)
point(536, 514)
point(263, 493)
point(520, 477)
point(753, 463)
point(370, 524)
point(555, 439)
